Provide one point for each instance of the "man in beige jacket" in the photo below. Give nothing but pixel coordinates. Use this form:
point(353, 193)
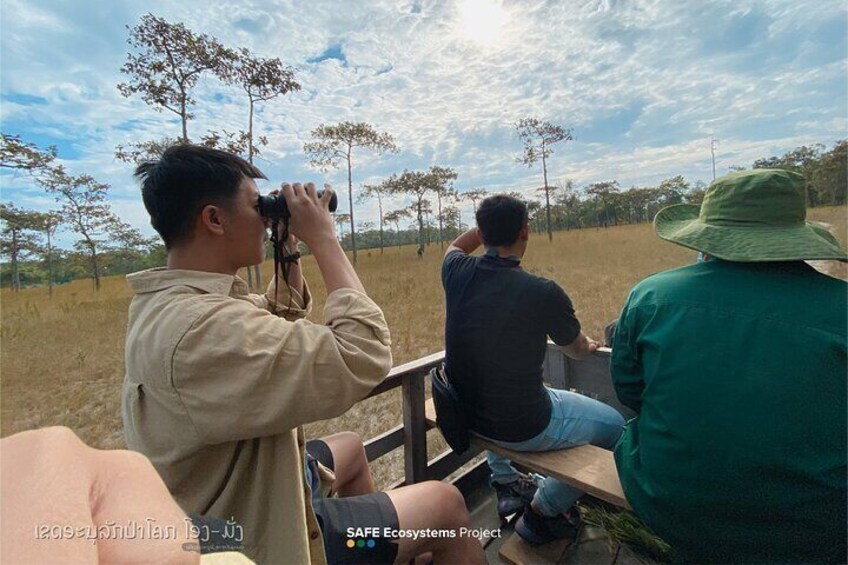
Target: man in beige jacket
point(219, 381)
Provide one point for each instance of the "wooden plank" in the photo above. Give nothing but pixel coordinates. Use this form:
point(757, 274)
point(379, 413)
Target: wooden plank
point(380, 445)
point(388, 384)
point(447, 462)
point(414, 429)
point(395, 376)
point(517, 552)
point(420, 365)
point(587, 467)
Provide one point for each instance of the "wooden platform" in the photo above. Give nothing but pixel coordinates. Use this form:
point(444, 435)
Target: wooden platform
point(516, 552)
point(589, 468)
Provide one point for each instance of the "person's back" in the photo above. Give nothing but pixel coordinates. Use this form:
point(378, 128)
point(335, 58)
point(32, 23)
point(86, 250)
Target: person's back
point(497, 323)
point(498, 320)
point(737, 369)
point(742, 415)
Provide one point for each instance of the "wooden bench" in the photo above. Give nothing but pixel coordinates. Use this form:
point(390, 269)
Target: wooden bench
point(588, 468)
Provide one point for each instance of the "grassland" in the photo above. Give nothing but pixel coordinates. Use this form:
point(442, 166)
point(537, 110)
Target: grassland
point(61, 360)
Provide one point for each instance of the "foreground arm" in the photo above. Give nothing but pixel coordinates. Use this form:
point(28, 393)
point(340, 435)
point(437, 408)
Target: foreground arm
point(243, 372)
point(64, 502)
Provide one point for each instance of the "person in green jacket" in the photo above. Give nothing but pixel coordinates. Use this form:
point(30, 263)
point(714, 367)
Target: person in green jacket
point(736, 368)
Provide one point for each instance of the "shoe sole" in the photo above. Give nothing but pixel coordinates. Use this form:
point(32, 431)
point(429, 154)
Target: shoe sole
point(527, 535)
point(530, 537)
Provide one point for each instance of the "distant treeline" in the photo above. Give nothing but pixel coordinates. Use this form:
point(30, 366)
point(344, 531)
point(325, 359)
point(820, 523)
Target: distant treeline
point(599, 204)
point(606, 203)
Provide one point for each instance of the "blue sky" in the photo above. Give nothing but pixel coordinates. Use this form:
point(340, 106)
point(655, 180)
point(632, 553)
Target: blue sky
point(644, 84)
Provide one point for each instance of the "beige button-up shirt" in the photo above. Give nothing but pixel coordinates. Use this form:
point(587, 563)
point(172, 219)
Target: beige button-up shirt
point(218, 382)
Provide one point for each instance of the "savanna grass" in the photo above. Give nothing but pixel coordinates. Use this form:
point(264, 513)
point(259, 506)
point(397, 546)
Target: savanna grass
point(61, 360)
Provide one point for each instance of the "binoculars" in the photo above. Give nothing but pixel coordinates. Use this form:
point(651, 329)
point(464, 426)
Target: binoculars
point(274, 206)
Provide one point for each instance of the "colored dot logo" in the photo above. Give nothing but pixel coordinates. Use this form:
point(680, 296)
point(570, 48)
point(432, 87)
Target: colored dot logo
point(361, 543)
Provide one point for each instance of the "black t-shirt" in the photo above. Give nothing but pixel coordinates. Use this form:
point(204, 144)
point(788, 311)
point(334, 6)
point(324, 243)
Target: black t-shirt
point(498, 319)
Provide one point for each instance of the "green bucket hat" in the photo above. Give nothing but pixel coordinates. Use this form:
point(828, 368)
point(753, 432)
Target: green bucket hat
point(750, 216)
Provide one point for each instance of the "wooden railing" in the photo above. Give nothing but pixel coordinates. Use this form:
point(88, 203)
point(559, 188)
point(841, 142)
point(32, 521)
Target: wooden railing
point(589, 377)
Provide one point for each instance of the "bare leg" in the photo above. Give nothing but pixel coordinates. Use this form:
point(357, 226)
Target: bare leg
point(437, 506)
point(353, 476)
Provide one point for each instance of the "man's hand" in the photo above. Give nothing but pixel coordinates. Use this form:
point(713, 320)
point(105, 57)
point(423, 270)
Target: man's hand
point(581, 347)
point(312, 223)
point(291, 241)
point(310, 216)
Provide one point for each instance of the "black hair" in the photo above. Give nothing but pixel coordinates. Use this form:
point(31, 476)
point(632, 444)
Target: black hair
point(500, 219)
point(186, 178)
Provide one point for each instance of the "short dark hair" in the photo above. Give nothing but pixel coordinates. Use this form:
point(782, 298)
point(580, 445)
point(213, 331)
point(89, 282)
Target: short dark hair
point(500, 219)
point(184, 180)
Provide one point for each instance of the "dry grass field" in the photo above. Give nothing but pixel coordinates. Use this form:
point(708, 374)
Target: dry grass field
point(61, 360)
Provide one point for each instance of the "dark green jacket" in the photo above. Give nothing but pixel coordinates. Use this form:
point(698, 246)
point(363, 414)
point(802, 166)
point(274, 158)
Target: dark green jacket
point(738, 374)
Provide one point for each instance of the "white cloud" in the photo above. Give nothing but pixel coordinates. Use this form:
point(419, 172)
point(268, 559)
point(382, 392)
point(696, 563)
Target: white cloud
point(665, 75)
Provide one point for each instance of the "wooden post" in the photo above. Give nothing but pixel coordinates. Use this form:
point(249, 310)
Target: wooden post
point(414, 429)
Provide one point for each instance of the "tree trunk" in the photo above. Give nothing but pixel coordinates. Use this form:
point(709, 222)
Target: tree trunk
point(16, 276)
point(380, 205)
point(183, 114)
point(257, 275)
point(250, 133)
point(350, 199)
point(95, 269)
point(420, 225)
point(547, 195)
point(441, 236)
point(49, 263)
point(185, 125)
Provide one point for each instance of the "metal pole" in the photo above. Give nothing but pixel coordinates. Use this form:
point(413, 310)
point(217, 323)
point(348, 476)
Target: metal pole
point(712, 151)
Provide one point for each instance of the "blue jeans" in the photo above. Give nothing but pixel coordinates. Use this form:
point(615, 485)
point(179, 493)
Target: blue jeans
point(575, 420)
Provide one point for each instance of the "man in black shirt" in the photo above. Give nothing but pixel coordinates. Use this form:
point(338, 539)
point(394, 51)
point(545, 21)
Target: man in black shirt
point(498, 320)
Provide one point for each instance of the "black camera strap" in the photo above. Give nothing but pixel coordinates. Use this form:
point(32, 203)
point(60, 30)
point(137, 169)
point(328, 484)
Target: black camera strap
point(282, 260)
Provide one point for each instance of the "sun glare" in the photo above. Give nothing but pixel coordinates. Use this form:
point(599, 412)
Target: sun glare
point(481, 21)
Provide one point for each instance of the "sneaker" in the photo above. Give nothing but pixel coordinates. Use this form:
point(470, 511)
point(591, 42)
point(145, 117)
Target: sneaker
point(513, 496)
point(536, 529)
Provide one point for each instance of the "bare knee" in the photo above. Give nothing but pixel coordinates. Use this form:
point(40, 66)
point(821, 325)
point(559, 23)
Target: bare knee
point(357, 449)
point(350, 441)
point(347, 449)
point(449, 504)
point(351, 438)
